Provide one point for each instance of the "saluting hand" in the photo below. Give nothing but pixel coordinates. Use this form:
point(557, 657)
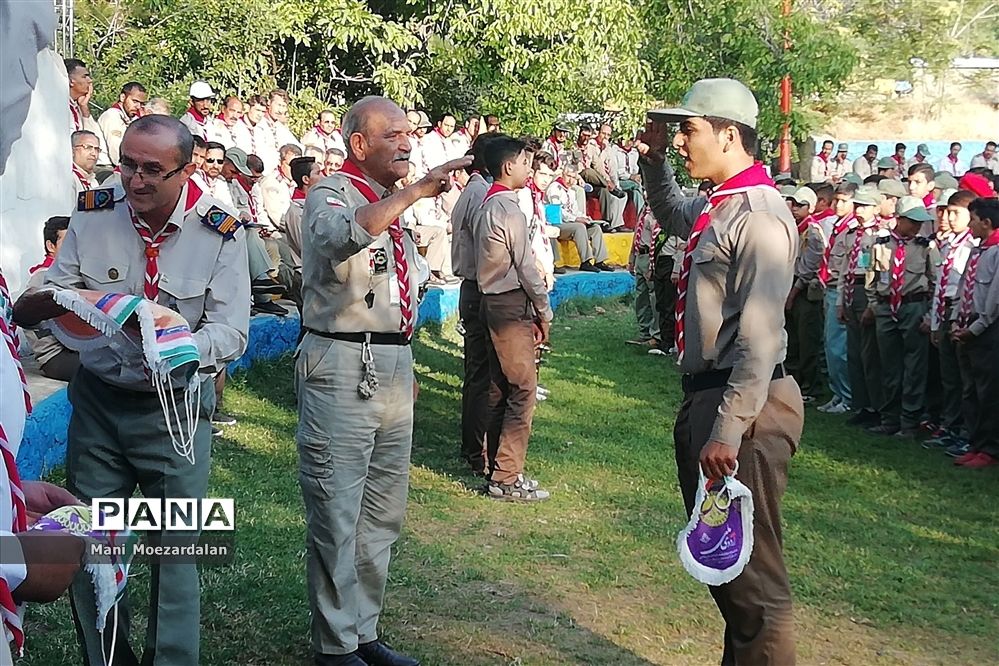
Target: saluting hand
point(438, 179)
point(718, 459)
point(654, 140)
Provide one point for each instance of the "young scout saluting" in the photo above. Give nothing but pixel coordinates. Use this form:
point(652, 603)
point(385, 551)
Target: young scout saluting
point(354, 378)
point(739, 407)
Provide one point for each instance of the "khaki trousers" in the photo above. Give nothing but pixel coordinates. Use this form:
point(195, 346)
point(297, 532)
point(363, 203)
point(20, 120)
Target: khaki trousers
point(476, 381)
point(904, 354)
point(756, 606)
point(438, 247)
point(589, 240)
point(354, 472)
point(509, 320)
point(863, 359)
point(118, 441)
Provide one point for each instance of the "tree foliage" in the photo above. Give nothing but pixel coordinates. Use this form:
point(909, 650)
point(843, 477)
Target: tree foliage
point(527, 62)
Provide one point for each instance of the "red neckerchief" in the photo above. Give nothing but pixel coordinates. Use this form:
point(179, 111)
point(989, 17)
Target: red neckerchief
point(298, 194)
point(82, 177)
point(929, 201)
point(952, 158)
point(805, 223)
point(496, 188)
point(561, 182)
point(536, 196)
point(898, 160)
point(822, 157)
point(49, 259)
point(746, 180)
point(992, 240)
point(439, 132)
point(74, 110)
point(198, 118)
point(320, 132)
point(125, 118)
point(838, 228)
point(919, 158)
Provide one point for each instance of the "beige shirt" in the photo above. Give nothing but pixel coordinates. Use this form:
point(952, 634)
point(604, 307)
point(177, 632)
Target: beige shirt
point(810, 248)
point(960, 253)
point(276, 191)
point(862, 272)
point(986, 294)
point(78, 121)
point(44, 345)
point(291, 227)
point(342, 262)
point(230, 137)
point(325, 141)
point(741, 274)
point(202, 276)
point(920, 266)
point(113, 122)
point(504, 259)
point(463, 253)
point(839, 254)
point(863, 168)
point(605, 164)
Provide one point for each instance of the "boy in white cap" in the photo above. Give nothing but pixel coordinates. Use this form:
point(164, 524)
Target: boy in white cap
point(737, 270)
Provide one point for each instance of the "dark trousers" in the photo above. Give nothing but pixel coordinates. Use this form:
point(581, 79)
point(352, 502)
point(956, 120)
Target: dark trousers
point(952, 387)
point(982, 358)
point(509, 319)
point(665, 299)
point(863, 359)
point(62, 366)
point(904, 350)
point(804, 343)
point(475, 383)
point(756, 606)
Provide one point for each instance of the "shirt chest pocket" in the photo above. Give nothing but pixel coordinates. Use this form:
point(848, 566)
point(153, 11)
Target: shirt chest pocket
point(710, 260)
point(102, 273)
point(185, 295)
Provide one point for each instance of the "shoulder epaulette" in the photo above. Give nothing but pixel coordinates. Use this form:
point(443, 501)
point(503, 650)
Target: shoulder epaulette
point(221, 222)
point(99, 199)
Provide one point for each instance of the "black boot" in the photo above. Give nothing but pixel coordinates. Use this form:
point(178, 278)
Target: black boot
point(377, 653)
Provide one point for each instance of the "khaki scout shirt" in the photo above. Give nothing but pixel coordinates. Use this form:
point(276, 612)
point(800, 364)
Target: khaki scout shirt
point(202, 276)
point(985, 299)
point(504, 260)
point(862, 273)
point(113, 122)
point(342, 262)
point(920, 266)
point(463, 253)
point(961, 254)
point(810, 249)
point(291, 227)
point(44, 345)
point(840, 252)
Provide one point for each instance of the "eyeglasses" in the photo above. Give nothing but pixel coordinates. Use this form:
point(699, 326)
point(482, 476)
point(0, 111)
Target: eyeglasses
point(129, 169)
point(208, 161)
point(85, 147)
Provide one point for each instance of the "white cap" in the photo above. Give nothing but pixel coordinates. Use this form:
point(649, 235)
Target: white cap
point(201, 90)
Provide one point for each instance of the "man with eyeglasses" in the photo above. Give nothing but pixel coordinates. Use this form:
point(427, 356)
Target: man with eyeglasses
point(334, 161)
point(218, 186)
point(160, 238)
point(86, 148)
point(325, 134)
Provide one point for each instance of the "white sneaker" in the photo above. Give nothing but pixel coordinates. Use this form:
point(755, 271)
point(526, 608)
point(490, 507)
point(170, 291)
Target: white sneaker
point(656, 351)
point(829, 405)
point(540, 397)
point(543, 390)
point(840, 408)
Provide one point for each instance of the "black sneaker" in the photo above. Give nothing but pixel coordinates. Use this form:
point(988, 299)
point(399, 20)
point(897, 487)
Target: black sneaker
point(216, 431)
point(339, 660)
point(883, 430)
point(602, 265)
point(521, 490)
point(223, 419)
point(559, 270)
point(377, 653)
point(588, 267)
point(959, 448)
point(268, 307)
point(864, 418)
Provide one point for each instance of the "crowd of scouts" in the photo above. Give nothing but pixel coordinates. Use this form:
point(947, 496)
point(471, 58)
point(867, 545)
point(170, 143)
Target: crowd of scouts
point(895, 302)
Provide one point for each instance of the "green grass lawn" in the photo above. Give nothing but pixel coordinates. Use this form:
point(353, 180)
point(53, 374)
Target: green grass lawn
point(893, 553)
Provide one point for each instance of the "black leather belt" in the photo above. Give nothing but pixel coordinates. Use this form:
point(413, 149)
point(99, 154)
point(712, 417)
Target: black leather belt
point(643, 250)
point(376, 338)
point(712, 379)
point(907, 298)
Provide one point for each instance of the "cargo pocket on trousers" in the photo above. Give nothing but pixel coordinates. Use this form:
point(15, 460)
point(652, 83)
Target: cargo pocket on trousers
point(315, 457)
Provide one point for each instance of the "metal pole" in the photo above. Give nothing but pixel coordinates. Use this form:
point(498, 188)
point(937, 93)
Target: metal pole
point(785, 102)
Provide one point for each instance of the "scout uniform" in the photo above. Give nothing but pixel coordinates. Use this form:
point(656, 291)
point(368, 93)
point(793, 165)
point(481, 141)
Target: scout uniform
point(612, 206)
point(78, 121)
point(588, 238)
point(514, 294)
point(475, 381)
point(230, 136)
point(978, 311)
point(864, 167)
point(118, 437)
point(198, 124)
point(955, 251)
point(839, 168)
point(317, 137)
point(903, 273)
point(354, 381)
point(804, 319)
point(863, 357)
point(83, 181)
point(820, 171)
point(113, 123)
point(834, 333)
point(645, 298)
point(736, 274)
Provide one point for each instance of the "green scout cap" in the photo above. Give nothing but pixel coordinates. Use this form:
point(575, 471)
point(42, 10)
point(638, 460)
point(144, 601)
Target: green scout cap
point(787, 191)
point(853, 178)
point(802, 195)
point(238, 159)
point(945, 181)
point(913, 208)
point(719, 98)
point(867, 196)
point(892, 188)
point(842, 148)
point(887, 163)
point(945, 197)
point(923, 150)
